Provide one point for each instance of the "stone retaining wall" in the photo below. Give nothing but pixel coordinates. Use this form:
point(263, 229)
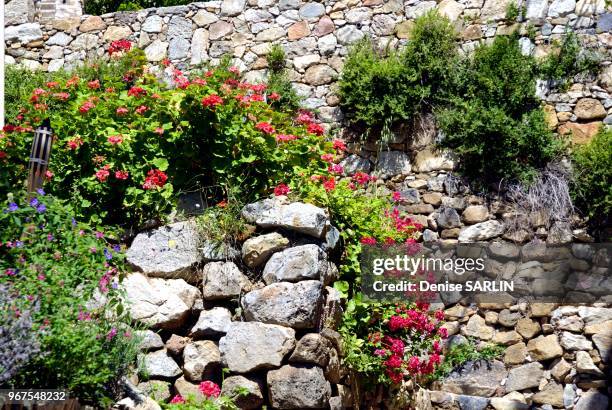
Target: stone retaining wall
point(315, 36)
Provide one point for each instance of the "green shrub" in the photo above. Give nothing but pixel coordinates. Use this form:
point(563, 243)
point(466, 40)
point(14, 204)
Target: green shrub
point(493, 120)
point(57, 266)
point(98, 7)
point(379, 86)
point(278, 80)
point(125, 140)
point(462, 353)
point(592, 186)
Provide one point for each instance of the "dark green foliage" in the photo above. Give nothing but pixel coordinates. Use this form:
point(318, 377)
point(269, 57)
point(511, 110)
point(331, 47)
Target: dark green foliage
point(19, 83)
point(592, 188)
point(463, 353)
point(278, 80)
point(98, 7)
point(493, 120)
point(570, 59)
point(378, 86)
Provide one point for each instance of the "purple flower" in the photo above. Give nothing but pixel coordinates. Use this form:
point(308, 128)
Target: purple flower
point(99, 235)
point(115, 285)
point(108, 254)
point(112, 333)
point(34, 202)
point(12, 207)
point(40, 192)
point(41, 208)
point(117, 248)
point(74, 222)
point(18, 244)
point(49, 237)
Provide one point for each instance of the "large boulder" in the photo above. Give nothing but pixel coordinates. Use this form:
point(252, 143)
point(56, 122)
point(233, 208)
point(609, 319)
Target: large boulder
point(23, 33)
point(295, 264)
point(250, 346)
point(171, 251)
point(296, 305)
point(223, 280)
point(160, 303)
point(292, 387)
point(478, 378)
point(257, 250)
point(278, 213)
point(201, 360)
point(246, 393)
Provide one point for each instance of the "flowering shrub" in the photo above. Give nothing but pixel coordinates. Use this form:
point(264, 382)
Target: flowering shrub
point(57, 268)
point(391, 344)
point(126, 142)
point(212, 400)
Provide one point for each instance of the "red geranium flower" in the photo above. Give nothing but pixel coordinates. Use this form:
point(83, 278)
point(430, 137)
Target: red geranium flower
point(119, 45)
point(115, 139)
point(136, 92)
point(123, 175)
point(209, 389)
point(102, 174)
point(178, 399)
point(88, 105)
point(281, 189)
point(274, 97)
point(122, 111)
point(155, 178)
point(74, 143)
point(329, 184)
point(212, 100)
point(94, 85)
point(265, 127)
point(316, 129)
point(339, 145)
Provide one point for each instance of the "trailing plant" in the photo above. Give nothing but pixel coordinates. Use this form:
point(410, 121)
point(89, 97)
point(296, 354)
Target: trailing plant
point(460, 354)
point(493, 120)
point(278, 81)
point(592, 185)
point(64, 274)
point(125, 141)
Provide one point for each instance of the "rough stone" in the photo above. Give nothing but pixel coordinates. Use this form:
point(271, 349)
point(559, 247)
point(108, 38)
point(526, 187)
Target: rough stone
point(292, 387)
point(213, 322)
point(176, 344)
point(570, 341)
point(297, 305)
point(544, 348)
point(149, 340)
point(156, 51)
point(592, 400)
point(450, 9)
point(311, 348)
point(561, 8)
point(24, 33)
point(312, 10)
point(320, 74)
point(113, 33)
point(234, 388)
point(298, 30)
point(349, 34)
point(479, 378)
point(584, 364)
point(476, 327)
point(524, 377)
point(494, 10)
point(257, 250)
point(18, 12)
point(536, 9)
point(250, 346)
point(560, 370)
point(515, 354)
point(159, 364)
point(551, 394)
point(201, 360)
point(203, 18)
point(589, 109)
point(232, 7)
point(153, 24)
point(448, 218)
point(219, 30)
point(527, 328)
point(59, 39)
point(92, 23)
point(295, 264)
point(392, 163)
point(481, 232)
point(475, 213)
point(159, 303)
point(223, 280)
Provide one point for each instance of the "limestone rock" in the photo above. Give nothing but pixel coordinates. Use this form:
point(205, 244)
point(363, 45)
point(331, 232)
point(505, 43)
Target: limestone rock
point(18, 12)
point(528, 328)
point(223, 280)
point(349, 34)
point(536, 9)
point(292, 387)
point(551, 394)
point(160, 303)
point(185, 388)
point(296, 305)
point(153, 24)
point(476, 327)
point(149, 340)
point(23, 33)
point(156, 389)
point(494, 10)
point(474, 214)
point(448, 218)
point(295, 264)
point(476, 378)
point(311, 348)
point(170, 251)
point(450, 9)
point(561, 8)
point(203, 18)
point(584, 364)
point(234, 387)
point(560, 370)
point(159, 364)
point(250, 346)
point(355, 163)
point(481, 232)
point(213, 322)
point(515, 354)
point(232, 7)
point(312, 10)
point(257, 250)
point(592, 400)
point(392, 163)
point(570, 341)
point(116, 33)
point(59, 39)
point(176, 344)
point(92, 23)
point(156, 51)
point(320, 74)
point(201, 359)
point(300, 217)
point(544, 348)
point(589, 109)
point(524, 377)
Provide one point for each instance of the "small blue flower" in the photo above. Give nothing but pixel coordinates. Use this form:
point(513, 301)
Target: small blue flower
point(34, 202)
point(41, 208)
point(40, 192)
point(114, 285)
point(18, 244)
point(74, 222)
point(108, 254)
point(12, 207)
point(117, 248)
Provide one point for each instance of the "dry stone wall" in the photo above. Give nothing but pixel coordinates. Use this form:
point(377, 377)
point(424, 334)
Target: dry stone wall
point(316, 36)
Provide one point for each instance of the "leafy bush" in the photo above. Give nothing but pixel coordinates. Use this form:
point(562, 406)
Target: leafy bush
point(278, 80)
point(377, 86)
point(58, 268)
point(98, 7)
point(462, 353)
point(592, 185)
point(126, 141)
point(493, 120)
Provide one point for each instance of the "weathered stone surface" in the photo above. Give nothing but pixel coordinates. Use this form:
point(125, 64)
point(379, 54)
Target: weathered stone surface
point(186, 388)
point(561, 8)
point(156, 389)
point(257, 250)
point(159, 365)
point(170, 251)
point(584, 364)
point(23, 33)
point(506, 338)
point(203, 18)
point(524, 377)
point(59, 39)
point(544, 348)
point(312, 10)
point(292, 387)
point(320, 74)
point(223, 280)
point(18, 12)
point(448, 218)
point(450, 9)
point(113, 33)
point(494, 10)
point(234, 387)
point(515, 354)
point(156, 51)
point(560, 370)
point(297, 216)
point(349, 34)
point(476, 378)
point(232, 7)
point(528, 328)
point(581, 133)
point(250, 346)
point(219, 30)
point(159, 302)
point(298, 30)
point(355, 163)
point(149, 340)
point(571, 341)
point(311, 348)
point(476, 327)
point(295, 264)
point(201, 359)
point(536, 9)
point(92, 23)
point(592, 315)
point(176, 344)
point(481, 232)
point(289, 304)
point(475, 213)
point(551, 394)
point(213, 322)
point(589, 109)
point(153, 24)
point(592, 400)
point(391, 163)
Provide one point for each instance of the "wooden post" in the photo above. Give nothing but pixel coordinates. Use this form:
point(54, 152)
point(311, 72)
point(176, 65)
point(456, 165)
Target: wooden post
point(39, 158)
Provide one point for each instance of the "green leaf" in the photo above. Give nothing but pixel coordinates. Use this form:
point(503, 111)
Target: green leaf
point(160, 163)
